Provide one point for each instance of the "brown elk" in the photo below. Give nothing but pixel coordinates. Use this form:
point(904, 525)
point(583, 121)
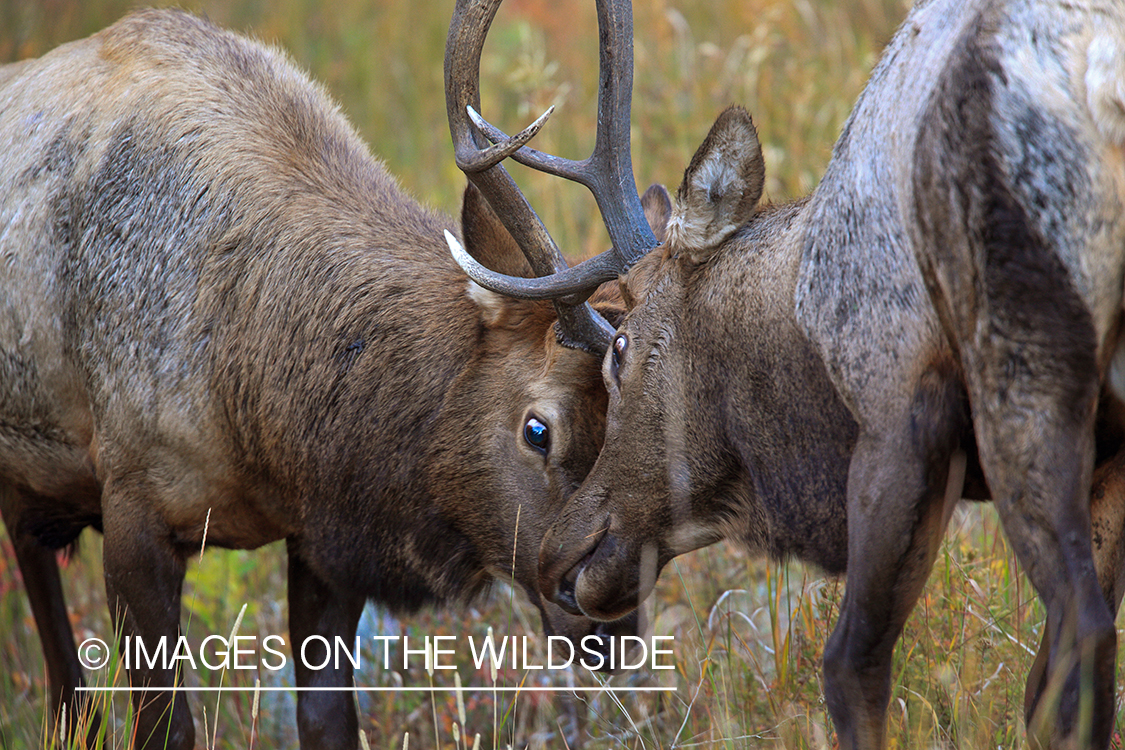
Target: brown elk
point(222, 319)
point(941, 316)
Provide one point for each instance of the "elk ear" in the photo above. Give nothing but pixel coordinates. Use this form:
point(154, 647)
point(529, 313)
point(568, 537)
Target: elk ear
point(489, 242)
point(487, 239)
point(721, 187)
point(657, 205)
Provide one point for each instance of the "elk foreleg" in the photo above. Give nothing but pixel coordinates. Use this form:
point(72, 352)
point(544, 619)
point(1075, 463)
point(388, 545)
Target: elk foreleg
point(325, 718)
point(144, 577)
point(40, 572)
point(902, 486)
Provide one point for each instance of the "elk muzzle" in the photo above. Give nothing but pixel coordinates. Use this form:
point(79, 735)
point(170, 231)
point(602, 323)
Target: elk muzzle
point(596, 570)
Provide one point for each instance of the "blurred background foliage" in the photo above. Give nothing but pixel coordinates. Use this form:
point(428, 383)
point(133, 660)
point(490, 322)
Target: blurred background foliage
point(797, 66)
point(749, 634)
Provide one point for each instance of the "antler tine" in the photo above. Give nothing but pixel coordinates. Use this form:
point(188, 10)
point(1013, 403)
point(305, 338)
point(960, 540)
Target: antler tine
point(502, 148)
point(579, 327)
point(607, 173)
point(602, 265)
point(467, 31)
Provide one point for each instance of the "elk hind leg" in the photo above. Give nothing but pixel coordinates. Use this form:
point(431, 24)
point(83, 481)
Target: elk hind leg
point(1036, 443)
point(1107, 523)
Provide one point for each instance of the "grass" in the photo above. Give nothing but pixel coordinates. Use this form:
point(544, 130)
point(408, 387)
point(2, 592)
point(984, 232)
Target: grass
point(748, 634)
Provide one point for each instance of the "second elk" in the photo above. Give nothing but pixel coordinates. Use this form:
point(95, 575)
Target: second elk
point(941, 317)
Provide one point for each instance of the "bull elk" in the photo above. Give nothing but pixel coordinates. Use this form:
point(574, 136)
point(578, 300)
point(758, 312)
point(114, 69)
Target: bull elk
point(941, 317)
point(221, 318)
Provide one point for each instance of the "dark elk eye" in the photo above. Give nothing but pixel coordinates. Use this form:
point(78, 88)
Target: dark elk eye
point(537, 435)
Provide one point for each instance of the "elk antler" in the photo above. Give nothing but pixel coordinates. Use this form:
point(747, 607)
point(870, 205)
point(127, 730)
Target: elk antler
point(607, 173)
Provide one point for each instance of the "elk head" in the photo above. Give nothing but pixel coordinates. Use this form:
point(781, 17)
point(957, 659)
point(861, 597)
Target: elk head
point(667, 480)
point(688, 375)
point(607, 173)
point(529, 414)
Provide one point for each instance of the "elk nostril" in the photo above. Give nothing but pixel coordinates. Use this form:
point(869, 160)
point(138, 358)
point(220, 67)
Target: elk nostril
point(562, 588)
point(565, 596)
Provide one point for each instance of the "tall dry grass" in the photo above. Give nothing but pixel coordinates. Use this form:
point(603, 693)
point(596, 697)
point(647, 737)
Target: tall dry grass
point(748, 634)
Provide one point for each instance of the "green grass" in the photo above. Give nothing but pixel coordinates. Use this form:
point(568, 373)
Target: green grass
point(748, 634)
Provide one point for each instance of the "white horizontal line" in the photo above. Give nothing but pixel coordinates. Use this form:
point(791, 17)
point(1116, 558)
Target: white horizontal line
point(464, 689)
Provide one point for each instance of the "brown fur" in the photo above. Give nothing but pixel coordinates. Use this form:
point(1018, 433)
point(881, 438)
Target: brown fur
point(219, 310)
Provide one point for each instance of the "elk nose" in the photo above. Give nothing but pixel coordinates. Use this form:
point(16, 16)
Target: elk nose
point(561, 561)
point(565, 594)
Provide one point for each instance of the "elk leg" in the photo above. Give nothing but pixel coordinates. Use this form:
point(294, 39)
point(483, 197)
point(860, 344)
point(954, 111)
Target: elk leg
point(40, 572)
point(902, 486)
point(325, 718)
point(1036, 447)
point(1107, 523)
point(891, 549)
point(144, 578)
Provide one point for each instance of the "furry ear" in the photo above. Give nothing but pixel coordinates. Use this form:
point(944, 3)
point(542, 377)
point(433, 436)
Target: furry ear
point(657, 205)
point(487, 239)
point(721, 187)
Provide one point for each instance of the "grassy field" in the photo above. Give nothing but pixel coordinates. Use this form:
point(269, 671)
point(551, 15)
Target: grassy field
point(747, 634)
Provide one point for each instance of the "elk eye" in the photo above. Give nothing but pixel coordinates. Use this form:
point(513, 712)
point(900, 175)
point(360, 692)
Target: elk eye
point(537, 435)
point(620, 344)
